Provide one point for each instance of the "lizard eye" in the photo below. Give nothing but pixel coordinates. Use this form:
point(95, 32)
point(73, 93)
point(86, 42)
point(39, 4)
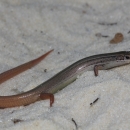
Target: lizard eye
point(127, 57)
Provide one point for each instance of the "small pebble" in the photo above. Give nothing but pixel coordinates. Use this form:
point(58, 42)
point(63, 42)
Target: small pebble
point(118, 38)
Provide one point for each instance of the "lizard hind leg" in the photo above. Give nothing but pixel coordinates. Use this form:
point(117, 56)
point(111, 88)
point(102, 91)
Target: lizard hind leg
point(44, 96)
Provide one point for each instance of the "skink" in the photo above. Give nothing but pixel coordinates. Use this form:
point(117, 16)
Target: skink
point(65, 77)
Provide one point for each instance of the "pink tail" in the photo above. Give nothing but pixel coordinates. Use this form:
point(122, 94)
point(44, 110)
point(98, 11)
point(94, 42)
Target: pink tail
point(19, 69)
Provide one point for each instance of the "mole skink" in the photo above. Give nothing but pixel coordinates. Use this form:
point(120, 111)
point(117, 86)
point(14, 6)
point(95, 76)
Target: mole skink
point(65, 77)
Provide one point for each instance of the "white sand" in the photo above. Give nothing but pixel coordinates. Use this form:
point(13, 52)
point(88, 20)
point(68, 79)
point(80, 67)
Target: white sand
point(29, 28)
